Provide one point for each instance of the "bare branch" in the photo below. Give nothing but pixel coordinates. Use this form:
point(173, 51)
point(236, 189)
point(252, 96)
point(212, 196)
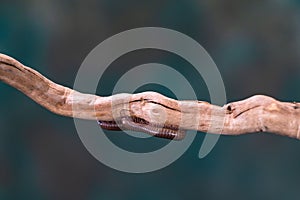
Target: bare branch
point(255, 114)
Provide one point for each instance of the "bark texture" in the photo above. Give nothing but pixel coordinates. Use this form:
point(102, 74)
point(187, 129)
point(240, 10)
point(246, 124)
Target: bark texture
point(256, 114)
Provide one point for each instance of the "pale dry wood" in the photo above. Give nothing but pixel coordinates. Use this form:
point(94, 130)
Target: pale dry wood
point(255, 114)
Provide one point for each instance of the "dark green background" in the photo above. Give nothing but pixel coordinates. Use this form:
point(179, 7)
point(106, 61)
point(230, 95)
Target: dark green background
point(255, 44)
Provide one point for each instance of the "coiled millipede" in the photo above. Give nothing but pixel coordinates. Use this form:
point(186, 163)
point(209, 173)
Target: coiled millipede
point(133, 123)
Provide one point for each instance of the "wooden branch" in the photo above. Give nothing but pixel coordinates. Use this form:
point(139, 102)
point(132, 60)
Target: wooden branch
point(255, 114)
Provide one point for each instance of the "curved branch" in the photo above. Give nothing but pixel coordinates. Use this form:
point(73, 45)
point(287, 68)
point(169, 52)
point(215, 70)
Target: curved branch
point(255, 114)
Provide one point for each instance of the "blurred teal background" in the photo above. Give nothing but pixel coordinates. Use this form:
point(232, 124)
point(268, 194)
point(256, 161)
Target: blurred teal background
point(255, 44)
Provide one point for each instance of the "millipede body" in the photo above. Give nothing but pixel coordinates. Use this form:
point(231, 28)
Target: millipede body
point(137, 124)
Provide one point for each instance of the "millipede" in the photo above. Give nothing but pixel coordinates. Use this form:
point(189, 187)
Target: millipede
point(137, 124)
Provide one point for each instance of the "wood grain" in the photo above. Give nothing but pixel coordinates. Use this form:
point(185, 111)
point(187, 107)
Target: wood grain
point(256, 114)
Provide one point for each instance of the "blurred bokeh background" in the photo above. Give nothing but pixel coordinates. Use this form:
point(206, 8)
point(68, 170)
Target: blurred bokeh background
point(255, 44)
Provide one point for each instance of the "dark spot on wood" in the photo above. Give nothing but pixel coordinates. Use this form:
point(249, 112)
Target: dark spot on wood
point(264, 129)
point(229, 109)
point(296, 107)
